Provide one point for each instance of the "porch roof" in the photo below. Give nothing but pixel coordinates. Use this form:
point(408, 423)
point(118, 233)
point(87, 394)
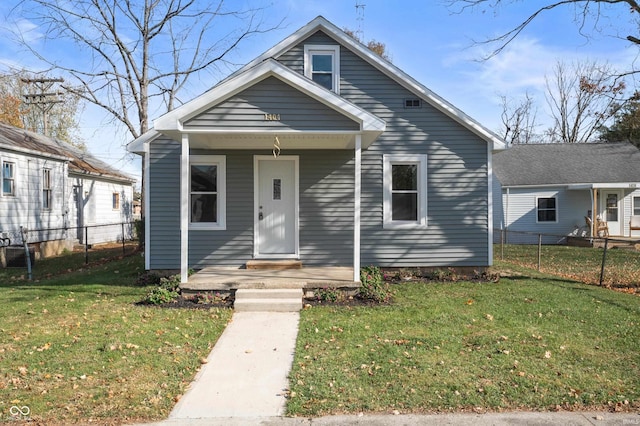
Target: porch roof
point(175, 123)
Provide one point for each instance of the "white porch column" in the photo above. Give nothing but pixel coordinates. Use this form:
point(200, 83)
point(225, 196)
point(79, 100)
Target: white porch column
point(184, 210)
point(356, 208)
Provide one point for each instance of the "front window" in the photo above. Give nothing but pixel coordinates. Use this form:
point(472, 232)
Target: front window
point(321, 64)
point(636, 206)
point(8, 178)
point(547, 209)
point(405, 186)
point(46, 189)
point(207, 191)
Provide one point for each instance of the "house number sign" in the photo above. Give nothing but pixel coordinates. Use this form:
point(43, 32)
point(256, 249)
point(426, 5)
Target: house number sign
point(272, 117)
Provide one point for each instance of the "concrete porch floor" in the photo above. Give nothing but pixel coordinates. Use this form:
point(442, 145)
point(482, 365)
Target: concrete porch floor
point(306, 278)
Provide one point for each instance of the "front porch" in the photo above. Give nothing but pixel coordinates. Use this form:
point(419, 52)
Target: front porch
point(227, 280)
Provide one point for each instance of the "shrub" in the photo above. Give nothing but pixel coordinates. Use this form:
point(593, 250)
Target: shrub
point(327, 294)
point(166, 292)
point(372, 285)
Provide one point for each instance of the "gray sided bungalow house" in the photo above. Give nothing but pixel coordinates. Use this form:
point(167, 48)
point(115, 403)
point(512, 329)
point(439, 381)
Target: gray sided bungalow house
point(318, 150)
point(566, 189)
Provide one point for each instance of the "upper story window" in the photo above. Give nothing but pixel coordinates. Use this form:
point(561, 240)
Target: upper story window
point(405, 191)
point(322, 65)
point(46, 189)
point(547, 209)
point(8, 178)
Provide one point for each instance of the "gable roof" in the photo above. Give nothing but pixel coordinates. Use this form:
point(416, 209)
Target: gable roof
point(387, 68)
point(567, 164)
point(172, 122)
point(80, 162)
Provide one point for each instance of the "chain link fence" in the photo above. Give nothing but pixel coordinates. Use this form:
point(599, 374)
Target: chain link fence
point(22, 248)
point(610, 261)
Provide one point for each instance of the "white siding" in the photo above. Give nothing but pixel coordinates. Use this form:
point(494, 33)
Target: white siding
point(25, 208)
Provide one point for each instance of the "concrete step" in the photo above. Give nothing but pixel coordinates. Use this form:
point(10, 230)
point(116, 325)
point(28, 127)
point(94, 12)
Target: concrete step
point(274, 264)
point(268, 300)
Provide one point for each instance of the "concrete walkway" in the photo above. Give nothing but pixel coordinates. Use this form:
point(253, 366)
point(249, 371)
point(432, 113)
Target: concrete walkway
point(245, 381)
point(246, 373)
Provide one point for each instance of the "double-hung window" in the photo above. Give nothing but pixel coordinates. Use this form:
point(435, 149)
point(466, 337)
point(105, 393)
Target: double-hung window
point(46, 189)
point(636, 206)
point(8, 178)
point(207, 186)
point(547, 209)
point(405, 191)
point(322, 65)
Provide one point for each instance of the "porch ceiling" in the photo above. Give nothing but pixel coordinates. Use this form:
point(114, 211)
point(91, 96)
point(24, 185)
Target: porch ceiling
point(288, 140)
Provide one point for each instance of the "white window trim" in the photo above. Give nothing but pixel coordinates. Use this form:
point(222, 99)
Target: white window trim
point(49, 189)
point(117, 207)
point(633, 203)
point(334, 50)
point(221, 162)
point(421, 161)
point(557, 209)
point(15, 167)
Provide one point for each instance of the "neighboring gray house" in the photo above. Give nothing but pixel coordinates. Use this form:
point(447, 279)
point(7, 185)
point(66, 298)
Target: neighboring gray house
point(318, 150)
point(553, 188)
point(54, 189)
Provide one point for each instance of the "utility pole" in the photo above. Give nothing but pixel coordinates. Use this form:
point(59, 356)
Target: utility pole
point(44, 99)
point(360, 19)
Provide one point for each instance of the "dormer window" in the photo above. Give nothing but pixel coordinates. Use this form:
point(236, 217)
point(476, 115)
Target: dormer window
point(322, 65)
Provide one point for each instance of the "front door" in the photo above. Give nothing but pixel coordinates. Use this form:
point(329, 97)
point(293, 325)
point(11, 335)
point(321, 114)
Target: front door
point(612, 211)
point(276, 200)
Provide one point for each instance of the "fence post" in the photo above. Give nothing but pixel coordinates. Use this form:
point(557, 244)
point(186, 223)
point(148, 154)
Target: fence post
point(502, 244)
point(27, 255)
point(539, 250)
point(122, 238)
point(604, 259)
point(86, 244)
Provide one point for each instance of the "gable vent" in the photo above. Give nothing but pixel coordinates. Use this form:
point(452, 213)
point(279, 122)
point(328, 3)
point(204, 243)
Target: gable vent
point(412, 103)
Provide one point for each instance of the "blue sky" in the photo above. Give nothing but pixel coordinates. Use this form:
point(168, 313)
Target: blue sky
point(424, 38)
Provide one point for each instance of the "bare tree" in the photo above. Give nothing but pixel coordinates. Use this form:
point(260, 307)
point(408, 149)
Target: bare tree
point(137, 51)
point(519, 119)
point(589, 16)
point(582, 97)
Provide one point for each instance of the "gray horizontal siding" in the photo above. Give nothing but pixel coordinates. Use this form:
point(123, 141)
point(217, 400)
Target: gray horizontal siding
point(457, 204)
point(247, 110)
point(234, 245)
point(164, 209)
point(326, 211)
point(326, 207)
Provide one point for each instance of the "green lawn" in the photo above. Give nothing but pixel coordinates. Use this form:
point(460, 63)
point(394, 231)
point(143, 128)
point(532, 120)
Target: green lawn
point(75, 348)
point(523, 343)
point(622, 267)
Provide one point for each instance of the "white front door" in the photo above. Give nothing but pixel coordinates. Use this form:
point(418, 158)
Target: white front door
point(611, 210)
point(276, 201)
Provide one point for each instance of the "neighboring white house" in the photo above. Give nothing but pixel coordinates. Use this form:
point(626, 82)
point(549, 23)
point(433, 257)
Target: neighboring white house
point(557, 189)
point(53, 190)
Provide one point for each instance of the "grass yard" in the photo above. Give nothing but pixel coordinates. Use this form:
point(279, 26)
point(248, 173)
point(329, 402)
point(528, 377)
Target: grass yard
point(579, 263)
point(524, 343)
point(75, 349)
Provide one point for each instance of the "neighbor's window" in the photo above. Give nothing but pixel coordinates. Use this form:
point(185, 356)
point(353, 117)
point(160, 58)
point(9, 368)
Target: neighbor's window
point(115, 201)
point(46, 189)
point(636, 206)
point(8, 178)
point(207, 191)
point(322, 65)
point(405, 190)
point(547, 209)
